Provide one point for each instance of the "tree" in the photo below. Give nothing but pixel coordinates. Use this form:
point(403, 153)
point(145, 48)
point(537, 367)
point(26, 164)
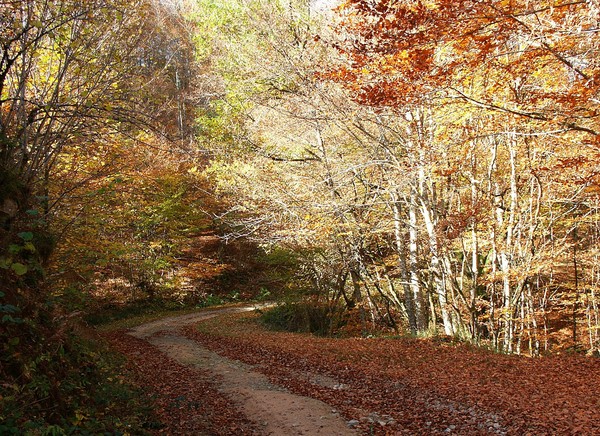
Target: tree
point(518, 80)
point(78, 83)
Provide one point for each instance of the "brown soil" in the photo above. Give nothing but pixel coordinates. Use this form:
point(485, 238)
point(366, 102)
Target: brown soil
point(271, 408)
point(234, 377)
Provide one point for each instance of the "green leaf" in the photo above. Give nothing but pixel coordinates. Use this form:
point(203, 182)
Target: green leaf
point(32, 212)
point(9, 308)
point(26, 236)
point(8, 318)
point(2, 294)
point(19, 268)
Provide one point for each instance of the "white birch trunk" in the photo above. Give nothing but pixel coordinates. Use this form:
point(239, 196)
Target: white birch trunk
point(437, 269)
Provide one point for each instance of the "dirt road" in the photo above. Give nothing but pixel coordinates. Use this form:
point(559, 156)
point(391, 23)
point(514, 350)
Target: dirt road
point(232, 377)
point(273, 409)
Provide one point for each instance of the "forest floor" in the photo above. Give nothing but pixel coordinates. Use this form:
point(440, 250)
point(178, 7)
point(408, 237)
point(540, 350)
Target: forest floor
point(219, 371)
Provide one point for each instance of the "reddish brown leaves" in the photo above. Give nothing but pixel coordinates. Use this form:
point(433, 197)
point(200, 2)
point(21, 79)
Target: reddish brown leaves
point(424, 387)
point(401, 386)
point(186, 401)
point(400, 51)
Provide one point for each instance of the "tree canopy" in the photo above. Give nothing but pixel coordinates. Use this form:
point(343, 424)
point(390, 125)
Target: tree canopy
point(421, 167)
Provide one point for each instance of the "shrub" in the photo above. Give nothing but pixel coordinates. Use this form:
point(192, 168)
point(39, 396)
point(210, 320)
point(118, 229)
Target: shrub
point(65, 384)
point(304, 316)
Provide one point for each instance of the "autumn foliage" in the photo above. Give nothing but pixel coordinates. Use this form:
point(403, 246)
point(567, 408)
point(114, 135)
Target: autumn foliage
point(418, 386)
point(438, 171)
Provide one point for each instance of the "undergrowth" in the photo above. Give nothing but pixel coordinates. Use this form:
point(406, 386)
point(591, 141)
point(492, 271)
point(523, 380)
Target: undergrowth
point(57, 382)
point(56, 377)
point(304, 317)
point(142, 308)
point(138, 312)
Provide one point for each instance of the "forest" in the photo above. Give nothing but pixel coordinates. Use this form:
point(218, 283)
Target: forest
point(372, 168)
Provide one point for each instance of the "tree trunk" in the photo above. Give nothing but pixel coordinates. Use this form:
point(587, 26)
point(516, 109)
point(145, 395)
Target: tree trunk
point(409, 301)
point(439, 278)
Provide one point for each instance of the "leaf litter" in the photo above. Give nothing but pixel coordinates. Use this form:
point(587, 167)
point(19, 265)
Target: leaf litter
point(378, 386)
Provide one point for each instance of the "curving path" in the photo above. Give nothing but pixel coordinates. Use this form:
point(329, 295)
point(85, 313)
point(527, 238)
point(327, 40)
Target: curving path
point(275, 410)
